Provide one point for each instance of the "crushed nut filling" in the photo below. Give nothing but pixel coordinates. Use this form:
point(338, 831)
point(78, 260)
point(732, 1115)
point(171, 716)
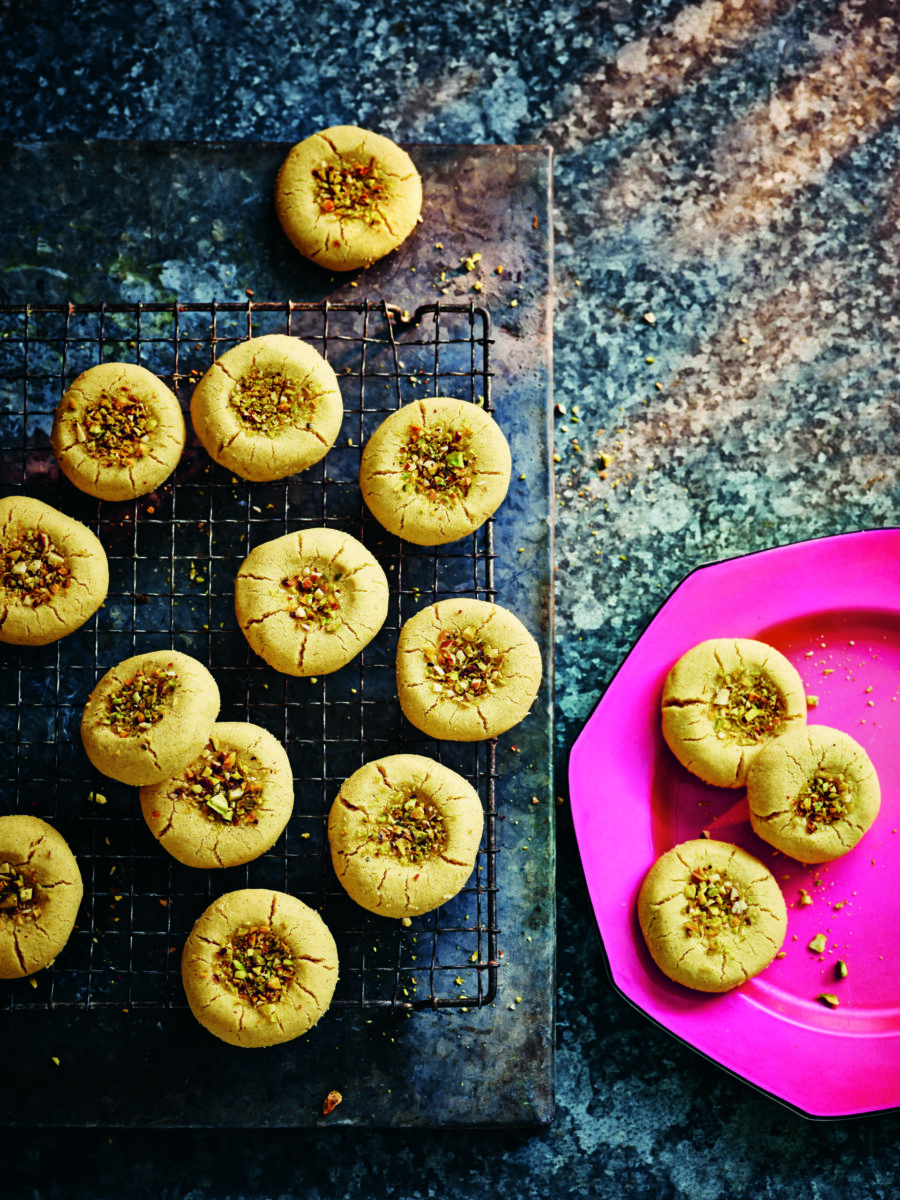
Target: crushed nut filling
point(462, 666)
point(140, 702)
point(823, 801)
point(258, 965)
point(222, 788)
point(266, 401)
point(115, 427)
point(437, 463)
point(411, 828)
point(19, 891)
point(315, 599)
point(32, 569)
point(747, 706)
point(715, 906)
point(351, 189)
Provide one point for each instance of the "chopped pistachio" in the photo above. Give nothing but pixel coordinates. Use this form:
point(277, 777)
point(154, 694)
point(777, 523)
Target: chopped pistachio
point(315, 599)
point(715, 905)
point(437, 463)
point(353, 190)
point(140, 701)
point(116, 427)
point(746, 706)
point(258, 965)
point(841, 969)
point(462, 666)
point(266, 400)
point(828, 999)
point(411, 828)
point(32, 570)
point(818, 943)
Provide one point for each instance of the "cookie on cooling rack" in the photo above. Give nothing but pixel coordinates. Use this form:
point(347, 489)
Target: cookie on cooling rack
point(404, 833)
point(229, 805)
point(723, 700)
point(149, 716)
point(118, 431)
point(259, 968)
point(346, 197)
point(466, 670)
point(435, 470)
point(309, 602)
point(268, 408)
point(712, 915)
point(40, 891)
point(813, 793)
point(54, 573)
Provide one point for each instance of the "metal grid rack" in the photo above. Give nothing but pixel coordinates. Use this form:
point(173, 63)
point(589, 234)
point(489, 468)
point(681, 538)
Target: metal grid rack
point(173, 556)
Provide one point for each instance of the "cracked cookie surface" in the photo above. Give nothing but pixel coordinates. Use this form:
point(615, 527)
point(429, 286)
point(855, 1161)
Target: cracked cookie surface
point(435, 470)
point(40, 891)
point(813, 793)
point(268, 408)
point(259, 968)
point(229, 805)
point(149, 716)
point(54, 573)
point(723, 700)
point(466, 670)
point(118, 431)
point(404, 833)
point(309, 602)
point(712, 915)
point(345, 197)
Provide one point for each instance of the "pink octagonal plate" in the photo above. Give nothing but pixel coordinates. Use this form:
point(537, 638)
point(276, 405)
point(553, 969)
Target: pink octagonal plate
point(831, 605)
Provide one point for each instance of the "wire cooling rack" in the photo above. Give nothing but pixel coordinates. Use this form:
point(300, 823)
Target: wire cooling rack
point(173, 556)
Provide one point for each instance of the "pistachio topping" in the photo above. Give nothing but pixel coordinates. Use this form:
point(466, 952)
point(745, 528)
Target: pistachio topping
point(411, 828)
point(221, 786)
point(32, 569)
point(715, 906)
point(462, 666)
point(747, 707)
point(266, 401)
point(19, 891)
point(823, 801)
point(314, 599)
point(350, 189)
point(140, 702)
point(115, 427)
point(258, 965)
point(437, 463)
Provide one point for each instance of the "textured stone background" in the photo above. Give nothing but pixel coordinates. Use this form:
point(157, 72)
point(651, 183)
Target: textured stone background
point(729, 166)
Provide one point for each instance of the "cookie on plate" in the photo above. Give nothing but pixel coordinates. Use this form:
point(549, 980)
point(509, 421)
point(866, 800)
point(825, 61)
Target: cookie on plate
point(309, 602)
point(712, 915)
point(54, 573)
point(259, 968)
point(118, 431)
point(229, 805)
point(149, 716)
point(268, 408)
point(466, 670)
point(723, 700)
point(404, 833)
point(435, 470)
point(346, 197)
point(40, 891)
point(813, 793)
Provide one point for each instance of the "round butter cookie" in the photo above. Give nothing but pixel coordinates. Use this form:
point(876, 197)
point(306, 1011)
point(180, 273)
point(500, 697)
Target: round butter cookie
point(346, 197)
point(435, 470)
point(813, 792)
point(40, 891)
point(54, 573)
point(723, 700)
point(118, 431)
point(310, 601)
point(259, 968)
point(404, 833)
point(712, 915)
point(149, 716)
point(466, 670)
point(229, 805)
point(268, 408)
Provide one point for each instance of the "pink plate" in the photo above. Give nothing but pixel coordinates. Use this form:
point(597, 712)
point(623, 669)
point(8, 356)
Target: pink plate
point(833, 607)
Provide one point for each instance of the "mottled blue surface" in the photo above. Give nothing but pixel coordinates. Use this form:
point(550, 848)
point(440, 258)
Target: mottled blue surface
point(729, 168)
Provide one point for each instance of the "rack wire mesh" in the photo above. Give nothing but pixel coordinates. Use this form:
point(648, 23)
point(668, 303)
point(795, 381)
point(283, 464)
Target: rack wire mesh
point(173, 556)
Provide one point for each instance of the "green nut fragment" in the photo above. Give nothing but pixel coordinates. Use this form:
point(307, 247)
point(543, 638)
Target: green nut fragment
point(818, 944)
point(841, 969)
point(828, 999)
